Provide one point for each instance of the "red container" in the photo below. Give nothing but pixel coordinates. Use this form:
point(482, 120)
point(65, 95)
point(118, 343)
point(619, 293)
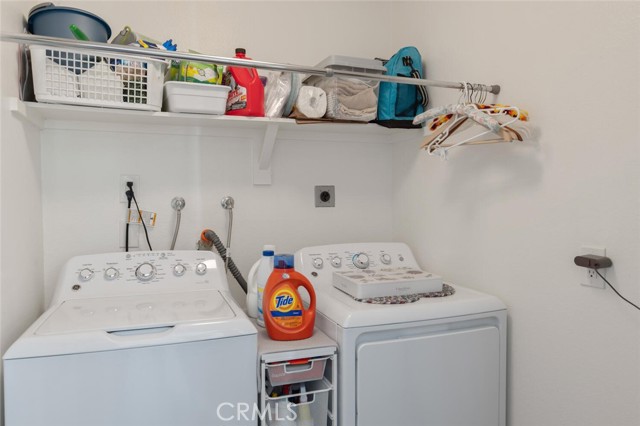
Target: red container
point(247, 92)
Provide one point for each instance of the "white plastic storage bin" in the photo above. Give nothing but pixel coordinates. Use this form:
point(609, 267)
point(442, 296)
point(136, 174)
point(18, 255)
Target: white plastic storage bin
point(80, 77)
point(199, 98)
point(350, 98)
point(296, 371)
point(283, 412)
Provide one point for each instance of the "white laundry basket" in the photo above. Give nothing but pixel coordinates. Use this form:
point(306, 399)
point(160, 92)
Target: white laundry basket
point(80, 77)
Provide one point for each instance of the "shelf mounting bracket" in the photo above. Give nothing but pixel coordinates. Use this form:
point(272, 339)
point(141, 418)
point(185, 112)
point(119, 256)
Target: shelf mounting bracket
point(19, 110)
point(262, 164)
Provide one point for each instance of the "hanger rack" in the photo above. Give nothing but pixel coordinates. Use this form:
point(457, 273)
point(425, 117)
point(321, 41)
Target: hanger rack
point(273, 66)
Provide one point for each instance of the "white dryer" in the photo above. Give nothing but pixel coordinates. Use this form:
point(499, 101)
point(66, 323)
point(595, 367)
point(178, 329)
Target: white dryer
point(431, 361)
point(135, 339)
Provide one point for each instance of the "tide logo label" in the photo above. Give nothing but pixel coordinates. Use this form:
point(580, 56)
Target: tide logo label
point(285, 308)
point(283, 300)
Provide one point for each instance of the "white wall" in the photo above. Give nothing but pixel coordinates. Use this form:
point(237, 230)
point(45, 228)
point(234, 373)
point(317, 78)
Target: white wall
point(508, 219)
point(504, 219)
point(76, 180)
point(81, 214)
point(21, 257)
point(81, 168)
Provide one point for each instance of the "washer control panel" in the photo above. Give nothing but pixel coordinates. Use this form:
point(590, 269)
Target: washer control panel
point(116, 274)
point(320, 262)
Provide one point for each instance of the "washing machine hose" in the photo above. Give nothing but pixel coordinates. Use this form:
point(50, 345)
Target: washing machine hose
point(208, 236)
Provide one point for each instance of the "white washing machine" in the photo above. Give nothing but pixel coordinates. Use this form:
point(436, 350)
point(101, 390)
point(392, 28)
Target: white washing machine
point(430, 361)
point(135, 339)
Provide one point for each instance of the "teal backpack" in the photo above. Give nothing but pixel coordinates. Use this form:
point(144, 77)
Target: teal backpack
point(399, 103)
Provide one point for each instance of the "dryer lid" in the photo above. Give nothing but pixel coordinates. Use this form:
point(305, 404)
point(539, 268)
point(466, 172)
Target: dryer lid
point(346, 312)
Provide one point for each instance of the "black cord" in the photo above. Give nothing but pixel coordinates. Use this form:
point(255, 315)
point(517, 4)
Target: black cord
point(142, 220)
point(129, 194)
point(621, 296)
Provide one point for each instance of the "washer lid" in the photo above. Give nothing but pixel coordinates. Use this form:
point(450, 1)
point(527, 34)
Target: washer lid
point(127, 322)
point(115, 314)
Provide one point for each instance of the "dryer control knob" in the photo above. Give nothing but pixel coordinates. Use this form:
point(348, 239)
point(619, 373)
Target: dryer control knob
point(110, 274)
point(336, 262)
point(145, 272)
point(385, 258)
point(201, 269)
point(85, 274)
point(318, 263)
point(360, 260)
point(179, 270)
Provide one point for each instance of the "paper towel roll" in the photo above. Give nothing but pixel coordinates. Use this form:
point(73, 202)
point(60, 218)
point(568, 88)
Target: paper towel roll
point(312, 102)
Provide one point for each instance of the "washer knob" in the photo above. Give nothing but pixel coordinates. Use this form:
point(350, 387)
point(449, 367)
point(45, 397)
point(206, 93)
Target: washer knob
point(110, 274)
point(85, 274)
point(317, 263)
point(336, 262)
point(360, 260)
point(201, 269)
point(179, 270)
point(145, 272)
point(385, 258)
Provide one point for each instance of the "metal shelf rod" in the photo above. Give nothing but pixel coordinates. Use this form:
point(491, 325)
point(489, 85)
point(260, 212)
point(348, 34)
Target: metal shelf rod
point(106, 48)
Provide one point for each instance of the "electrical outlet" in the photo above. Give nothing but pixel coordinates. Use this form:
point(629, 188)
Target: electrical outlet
point(134, 234)
point(591, 278)
point(122, 186)
point(325, 196)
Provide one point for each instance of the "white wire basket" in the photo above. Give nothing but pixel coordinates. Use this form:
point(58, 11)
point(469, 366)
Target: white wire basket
point(80, 77)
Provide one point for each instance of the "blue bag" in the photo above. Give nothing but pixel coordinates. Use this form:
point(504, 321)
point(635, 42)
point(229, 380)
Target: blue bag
point(398, 104)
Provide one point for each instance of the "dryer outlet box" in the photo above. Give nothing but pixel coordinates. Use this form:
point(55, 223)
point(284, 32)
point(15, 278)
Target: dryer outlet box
point(325, 195)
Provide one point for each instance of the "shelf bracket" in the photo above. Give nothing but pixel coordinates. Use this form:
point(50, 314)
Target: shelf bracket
point(19, 110)
point(262, 164)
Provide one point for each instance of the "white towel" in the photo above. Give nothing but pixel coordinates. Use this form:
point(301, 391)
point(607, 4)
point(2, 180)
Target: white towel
point(349, 98)
point(100, 83)
point(60, 81)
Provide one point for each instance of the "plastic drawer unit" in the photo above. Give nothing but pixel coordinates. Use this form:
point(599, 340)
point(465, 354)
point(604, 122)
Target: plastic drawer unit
point(297, 380)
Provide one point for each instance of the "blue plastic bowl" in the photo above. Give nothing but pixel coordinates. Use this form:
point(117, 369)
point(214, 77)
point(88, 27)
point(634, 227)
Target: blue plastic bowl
point(46, 19)
point(54, 21)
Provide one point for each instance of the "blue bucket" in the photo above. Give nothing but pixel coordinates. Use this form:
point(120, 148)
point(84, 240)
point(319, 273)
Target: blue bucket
point(49, 20)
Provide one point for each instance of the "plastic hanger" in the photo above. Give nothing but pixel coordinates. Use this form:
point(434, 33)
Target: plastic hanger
point(447, 128)
point(496, 120)
point(505, 135)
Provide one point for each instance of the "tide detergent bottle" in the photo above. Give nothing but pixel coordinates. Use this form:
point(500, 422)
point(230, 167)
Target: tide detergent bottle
point(284, 314)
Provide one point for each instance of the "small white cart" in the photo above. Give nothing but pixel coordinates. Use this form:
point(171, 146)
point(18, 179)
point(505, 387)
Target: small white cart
point(288, 365)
